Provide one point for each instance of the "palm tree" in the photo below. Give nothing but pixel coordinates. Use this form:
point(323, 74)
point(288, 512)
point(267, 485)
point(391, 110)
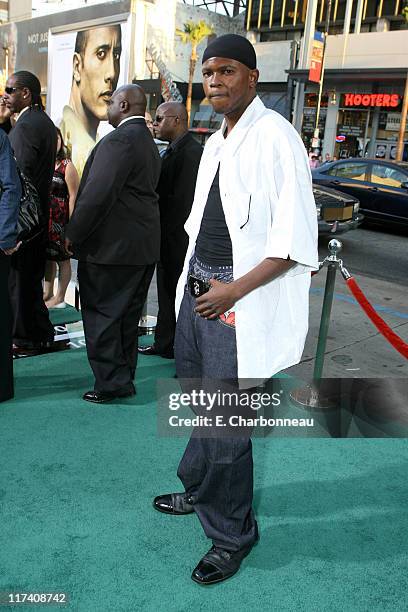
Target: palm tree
point(193, 33)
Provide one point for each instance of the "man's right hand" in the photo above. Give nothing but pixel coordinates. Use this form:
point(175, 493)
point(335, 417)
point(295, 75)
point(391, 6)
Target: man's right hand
point(12, 249)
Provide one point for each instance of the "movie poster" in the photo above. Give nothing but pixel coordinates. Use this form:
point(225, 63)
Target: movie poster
point(86, 67)
point(8, 52)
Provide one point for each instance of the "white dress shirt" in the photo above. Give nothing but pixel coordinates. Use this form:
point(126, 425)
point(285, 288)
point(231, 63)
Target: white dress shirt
point(129, 118)
point(267, 197)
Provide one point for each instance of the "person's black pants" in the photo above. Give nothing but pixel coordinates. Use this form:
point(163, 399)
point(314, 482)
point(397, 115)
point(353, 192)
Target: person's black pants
point(31, 321)
point(168, 274)
point(6, 357)
point(112, 299)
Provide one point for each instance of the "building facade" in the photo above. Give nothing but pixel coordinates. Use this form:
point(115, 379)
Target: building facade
point(366, 64)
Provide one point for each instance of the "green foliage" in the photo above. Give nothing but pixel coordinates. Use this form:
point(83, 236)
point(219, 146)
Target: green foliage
point(194, 32)
point(405, 11)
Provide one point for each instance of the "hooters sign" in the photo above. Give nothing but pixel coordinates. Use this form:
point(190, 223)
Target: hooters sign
point(372, 99)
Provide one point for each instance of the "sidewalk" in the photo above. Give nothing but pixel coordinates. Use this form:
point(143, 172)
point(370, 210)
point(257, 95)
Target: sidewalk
point(354, 346)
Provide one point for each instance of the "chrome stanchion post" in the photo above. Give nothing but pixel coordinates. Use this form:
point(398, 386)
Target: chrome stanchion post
point(334, 248)
point(147, 323)
point(309, 396)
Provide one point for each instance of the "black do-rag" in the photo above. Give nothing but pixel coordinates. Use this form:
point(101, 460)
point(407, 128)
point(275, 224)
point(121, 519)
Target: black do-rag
point(232, 46)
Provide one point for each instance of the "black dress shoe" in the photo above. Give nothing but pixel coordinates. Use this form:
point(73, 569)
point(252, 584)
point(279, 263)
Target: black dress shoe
point(30, 349)
point(218, 565)
point(174, 503)
point(152, 350)
point(21, 351)
point(102, 397)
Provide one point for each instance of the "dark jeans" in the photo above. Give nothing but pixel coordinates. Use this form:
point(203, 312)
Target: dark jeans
point(112, 299)
point(6, 357)
point(216, 471)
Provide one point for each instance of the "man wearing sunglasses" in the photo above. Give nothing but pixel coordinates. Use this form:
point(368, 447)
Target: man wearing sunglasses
point(34, 141)
point(176, 186)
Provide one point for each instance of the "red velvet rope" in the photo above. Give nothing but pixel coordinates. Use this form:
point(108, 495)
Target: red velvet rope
point(381, 325)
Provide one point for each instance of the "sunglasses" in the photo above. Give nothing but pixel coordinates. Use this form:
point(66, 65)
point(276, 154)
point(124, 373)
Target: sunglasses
point(159, 118)
point(11, 90)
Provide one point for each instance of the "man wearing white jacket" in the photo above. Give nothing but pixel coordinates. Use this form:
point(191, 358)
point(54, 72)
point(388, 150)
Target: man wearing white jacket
point(242, 298)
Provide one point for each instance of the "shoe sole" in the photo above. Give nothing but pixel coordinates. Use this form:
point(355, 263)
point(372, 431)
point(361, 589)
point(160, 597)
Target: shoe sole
point(155, 355)
point(215, 581)
point(91, 401)
point(109, 400)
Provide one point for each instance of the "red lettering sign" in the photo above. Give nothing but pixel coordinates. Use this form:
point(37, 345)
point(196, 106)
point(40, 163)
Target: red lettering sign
point(394, 100)
point(377, 99)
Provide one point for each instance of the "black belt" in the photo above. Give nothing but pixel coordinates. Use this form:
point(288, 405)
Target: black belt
point(197, 286)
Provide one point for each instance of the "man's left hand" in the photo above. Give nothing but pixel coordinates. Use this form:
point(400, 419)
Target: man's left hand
point(220, 298)
point(68, 246)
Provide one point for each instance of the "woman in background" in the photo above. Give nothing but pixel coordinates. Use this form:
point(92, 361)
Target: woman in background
point(64, 190)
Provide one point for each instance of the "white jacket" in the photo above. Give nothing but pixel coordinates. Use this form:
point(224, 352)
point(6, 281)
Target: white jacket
point(266, 193)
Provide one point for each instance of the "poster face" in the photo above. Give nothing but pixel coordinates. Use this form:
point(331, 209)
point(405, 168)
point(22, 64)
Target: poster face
point(26, 42)
point(86, 68)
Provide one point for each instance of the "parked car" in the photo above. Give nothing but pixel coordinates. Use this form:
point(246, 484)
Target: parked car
point(381, 186)
point(337, 212)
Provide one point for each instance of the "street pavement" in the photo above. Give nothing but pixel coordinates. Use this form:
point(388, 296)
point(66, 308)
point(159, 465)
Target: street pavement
point(378, 259)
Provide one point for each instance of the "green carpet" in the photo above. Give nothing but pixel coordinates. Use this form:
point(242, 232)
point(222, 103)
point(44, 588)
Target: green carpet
point(69, 314)
point(77, 480)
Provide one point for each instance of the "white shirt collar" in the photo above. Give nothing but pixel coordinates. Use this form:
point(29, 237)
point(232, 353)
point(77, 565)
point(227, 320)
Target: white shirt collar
point(22, 111)
point(129, 118)
point(237, 135)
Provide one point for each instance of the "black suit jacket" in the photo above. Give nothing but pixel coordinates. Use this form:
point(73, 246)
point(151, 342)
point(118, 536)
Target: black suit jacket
point(34, 142)
point(176, 193)
point(116, 217)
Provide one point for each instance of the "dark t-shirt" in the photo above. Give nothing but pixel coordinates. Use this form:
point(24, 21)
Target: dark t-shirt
point(213, 244)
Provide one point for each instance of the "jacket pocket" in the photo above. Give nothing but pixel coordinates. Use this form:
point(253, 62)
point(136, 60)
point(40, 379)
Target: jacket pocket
point(252, 213)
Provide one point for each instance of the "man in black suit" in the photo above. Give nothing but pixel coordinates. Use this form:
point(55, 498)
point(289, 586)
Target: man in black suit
point(176, 187)
point(34, 141)
point(115, 234)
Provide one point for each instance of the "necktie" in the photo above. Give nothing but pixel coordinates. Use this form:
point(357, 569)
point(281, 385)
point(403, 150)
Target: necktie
point(165, 153)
